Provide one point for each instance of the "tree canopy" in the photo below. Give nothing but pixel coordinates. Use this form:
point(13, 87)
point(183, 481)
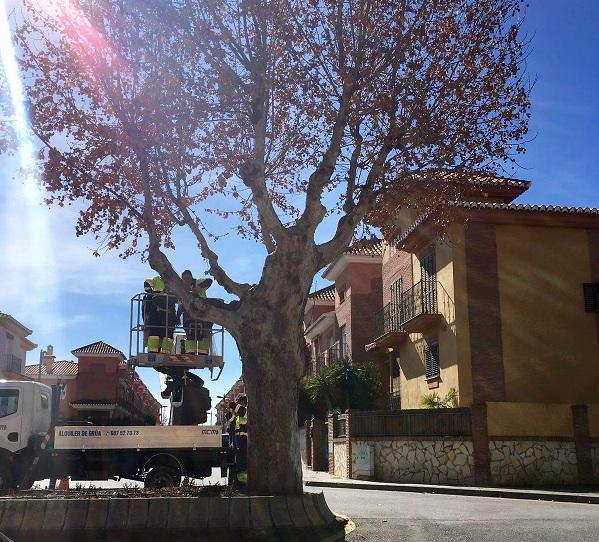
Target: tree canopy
point(269, 115)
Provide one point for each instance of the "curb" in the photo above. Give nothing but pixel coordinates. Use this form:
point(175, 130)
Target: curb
point(299, 517)
point(464, 491)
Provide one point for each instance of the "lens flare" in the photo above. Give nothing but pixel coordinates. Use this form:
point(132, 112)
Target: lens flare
point(30, 262)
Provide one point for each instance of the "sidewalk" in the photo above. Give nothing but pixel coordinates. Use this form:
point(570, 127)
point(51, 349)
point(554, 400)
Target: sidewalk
point(575, 495)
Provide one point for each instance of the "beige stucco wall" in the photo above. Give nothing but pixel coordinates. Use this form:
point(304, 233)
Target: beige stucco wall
point(413, 384)
point(529, 419)
point(593, 414)
point(550, 348)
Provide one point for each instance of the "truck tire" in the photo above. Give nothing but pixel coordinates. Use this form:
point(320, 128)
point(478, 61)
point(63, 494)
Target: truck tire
point(160, 477)
point(6, 478)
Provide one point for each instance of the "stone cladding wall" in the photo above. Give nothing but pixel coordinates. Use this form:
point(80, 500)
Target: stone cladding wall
point(340, 455)
point(421, 461)
point(533, 462)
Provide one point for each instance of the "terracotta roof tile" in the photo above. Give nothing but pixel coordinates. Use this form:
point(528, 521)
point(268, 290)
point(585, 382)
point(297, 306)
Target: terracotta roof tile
point(368, 248)
point(526, 207)
point(494, 206)
point(59, 368)
point(99, 347)
point(325, 294)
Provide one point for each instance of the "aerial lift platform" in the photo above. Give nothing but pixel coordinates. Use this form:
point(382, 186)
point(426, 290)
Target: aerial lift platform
point(139, 355)
point(175, 359)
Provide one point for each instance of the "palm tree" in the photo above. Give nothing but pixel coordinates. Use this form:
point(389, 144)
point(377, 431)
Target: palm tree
point(345, 385)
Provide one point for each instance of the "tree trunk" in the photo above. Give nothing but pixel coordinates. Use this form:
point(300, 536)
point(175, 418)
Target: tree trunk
point(273, 353)
point(272, 382)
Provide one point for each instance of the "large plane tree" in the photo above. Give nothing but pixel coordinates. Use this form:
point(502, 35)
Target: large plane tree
point(273, 116)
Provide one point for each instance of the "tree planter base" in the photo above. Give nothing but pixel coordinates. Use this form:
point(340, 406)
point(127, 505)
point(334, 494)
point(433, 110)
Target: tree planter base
point(172, 519)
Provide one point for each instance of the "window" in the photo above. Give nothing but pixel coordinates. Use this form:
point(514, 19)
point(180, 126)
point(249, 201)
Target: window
point(341, 291)
point(9, 402)
point(428, 265)
point(591, 297)
point(431, 359)
point(428, 271)
point(45, 401)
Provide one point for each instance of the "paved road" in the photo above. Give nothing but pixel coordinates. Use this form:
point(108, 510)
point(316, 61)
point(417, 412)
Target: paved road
point(417, 517)
point(385, 516)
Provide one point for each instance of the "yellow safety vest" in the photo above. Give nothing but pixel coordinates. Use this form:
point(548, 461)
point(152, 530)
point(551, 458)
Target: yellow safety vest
point(156, 283)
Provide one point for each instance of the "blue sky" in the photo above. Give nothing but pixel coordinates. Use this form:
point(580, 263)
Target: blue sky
point(51, 282)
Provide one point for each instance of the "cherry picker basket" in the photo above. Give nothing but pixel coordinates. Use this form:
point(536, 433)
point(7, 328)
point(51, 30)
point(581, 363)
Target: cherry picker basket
point(197, 345)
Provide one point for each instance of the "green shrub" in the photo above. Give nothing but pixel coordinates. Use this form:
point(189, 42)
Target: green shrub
point(345, 385)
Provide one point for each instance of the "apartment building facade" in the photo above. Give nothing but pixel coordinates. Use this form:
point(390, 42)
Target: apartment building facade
point(501, 305)
point(339, 319)
point(14, 345)
point(98, 387)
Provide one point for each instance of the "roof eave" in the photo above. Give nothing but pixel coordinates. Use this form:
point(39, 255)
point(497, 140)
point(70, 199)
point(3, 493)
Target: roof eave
point(341, 263)
point(319, 325)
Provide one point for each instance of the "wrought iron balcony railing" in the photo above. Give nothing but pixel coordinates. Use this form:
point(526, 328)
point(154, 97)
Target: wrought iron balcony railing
point(10, 363)
point(418, 300)
point(387, 319)
point(327, 358)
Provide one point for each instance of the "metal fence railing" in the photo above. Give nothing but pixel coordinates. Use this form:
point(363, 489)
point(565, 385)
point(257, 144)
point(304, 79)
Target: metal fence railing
point(421, 422)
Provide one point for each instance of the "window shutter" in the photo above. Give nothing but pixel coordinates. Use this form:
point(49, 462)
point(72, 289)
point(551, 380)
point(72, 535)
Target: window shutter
point(431, 360)
point(591, 296)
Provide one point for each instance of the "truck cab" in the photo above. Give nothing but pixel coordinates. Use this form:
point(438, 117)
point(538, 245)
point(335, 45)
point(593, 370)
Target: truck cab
point(25, 411)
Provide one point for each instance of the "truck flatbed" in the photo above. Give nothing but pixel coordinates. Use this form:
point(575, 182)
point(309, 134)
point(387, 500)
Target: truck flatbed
point(136, 437)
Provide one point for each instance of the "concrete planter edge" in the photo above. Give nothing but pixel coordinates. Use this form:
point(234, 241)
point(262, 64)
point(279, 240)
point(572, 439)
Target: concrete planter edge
point(26, 519)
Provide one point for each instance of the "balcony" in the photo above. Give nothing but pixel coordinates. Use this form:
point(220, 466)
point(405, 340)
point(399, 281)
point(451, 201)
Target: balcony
point(10, 363)
point(387, 328)
point(327, 358)
point(419, 309)
point(416, 312)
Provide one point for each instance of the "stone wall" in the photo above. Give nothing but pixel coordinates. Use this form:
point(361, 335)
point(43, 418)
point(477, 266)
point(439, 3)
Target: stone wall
point(533, 462)
point(340, 458)
point(444, 461)
point(595, 456)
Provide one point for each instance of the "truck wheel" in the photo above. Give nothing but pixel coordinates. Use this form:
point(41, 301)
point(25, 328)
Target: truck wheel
point(160, 477)
point(6, 478)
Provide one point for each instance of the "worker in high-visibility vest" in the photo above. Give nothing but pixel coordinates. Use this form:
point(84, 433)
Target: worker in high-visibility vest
point(241, 440)
point(160, 316)
point(197, 332)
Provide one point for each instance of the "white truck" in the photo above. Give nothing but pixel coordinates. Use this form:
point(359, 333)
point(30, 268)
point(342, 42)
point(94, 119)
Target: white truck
point(33, 448)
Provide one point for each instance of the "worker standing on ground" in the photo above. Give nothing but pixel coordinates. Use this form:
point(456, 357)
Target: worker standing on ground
point(197, 332)
point(241, 440)
point(230, 417)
